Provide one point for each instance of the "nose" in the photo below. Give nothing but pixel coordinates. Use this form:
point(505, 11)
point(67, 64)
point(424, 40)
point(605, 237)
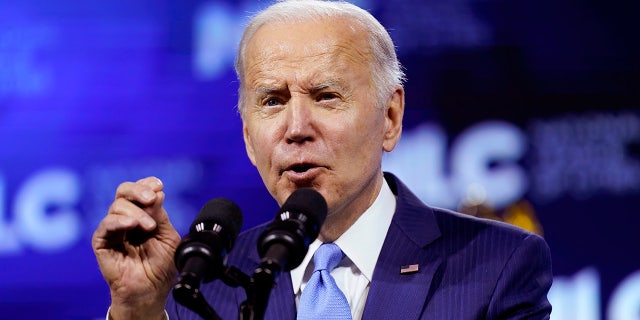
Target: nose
point(299, 122)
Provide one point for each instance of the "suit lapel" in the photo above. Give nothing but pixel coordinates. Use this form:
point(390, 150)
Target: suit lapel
point(396, 295)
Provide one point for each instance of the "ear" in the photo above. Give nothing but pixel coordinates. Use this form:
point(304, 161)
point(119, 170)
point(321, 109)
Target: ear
point(393, 119)
point(247, 143)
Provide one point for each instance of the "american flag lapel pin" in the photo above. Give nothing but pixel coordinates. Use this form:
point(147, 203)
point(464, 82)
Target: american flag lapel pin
point(408, 269)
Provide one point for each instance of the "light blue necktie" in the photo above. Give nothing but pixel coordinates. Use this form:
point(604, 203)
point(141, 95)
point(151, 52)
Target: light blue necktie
point(321, 298)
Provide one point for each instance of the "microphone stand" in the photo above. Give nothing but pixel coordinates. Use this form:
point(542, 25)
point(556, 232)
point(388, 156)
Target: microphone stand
point(258, 292)
point(262, 282)
point(187, 291)
point(192, 298)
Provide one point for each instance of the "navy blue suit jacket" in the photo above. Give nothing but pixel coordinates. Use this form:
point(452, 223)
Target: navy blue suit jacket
point(469, 268)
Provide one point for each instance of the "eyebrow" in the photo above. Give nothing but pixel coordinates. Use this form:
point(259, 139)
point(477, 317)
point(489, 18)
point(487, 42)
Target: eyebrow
point(320, 87)
point(267, 90)
point(326, 84)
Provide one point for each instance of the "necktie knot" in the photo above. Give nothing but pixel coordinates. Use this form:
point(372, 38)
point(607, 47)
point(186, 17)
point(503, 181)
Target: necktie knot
point(321, 298)
point(327, 257)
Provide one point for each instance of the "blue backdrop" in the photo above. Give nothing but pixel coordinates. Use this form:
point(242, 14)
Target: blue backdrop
point(525, 111)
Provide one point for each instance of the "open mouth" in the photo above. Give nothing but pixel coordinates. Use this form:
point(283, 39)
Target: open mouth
point(299, 168)
point(302, 174)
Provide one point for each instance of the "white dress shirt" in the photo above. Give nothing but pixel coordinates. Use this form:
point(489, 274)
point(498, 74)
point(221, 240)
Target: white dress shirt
point(361, 244)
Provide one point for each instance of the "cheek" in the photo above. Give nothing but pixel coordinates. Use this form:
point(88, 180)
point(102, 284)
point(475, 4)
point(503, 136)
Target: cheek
point(255, 141)
point(357, 142)
point(261, 146)
point(369, 129)
point(264, 141)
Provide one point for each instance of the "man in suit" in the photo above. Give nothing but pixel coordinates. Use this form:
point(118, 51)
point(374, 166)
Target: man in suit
point(321, 100)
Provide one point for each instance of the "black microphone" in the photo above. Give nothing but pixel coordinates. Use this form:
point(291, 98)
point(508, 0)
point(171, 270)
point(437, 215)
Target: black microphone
point(200, 255)
point(283, 245)
point(286, 241)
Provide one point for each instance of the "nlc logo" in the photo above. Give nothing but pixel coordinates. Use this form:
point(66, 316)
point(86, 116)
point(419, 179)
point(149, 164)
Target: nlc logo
point(482, 164)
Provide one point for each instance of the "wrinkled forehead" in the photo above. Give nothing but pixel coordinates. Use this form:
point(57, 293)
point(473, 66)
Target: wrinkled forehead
point(336, 39)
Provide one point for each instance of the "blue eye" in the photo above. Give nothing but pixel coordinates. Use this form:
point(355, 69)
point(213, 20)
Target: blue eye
point(326, 96)
point(271, 102)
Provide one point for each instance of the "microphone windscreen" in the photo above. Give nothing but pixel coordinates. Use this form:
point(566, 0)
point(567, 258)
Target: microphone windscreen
point(308, 201)
point(223, 212)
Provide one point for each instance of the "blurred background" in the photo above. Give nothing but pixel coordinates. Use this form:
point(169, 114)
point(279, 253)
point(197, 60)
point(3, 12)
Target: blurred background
point(522, 111)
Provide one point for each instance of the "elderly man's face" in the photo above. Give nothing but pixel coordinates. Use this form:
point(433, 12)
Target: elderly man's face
point(311, 117)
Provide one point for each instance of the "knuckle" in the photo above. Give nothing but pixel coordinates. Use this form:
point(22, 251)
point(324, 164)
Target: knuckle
point(119, 206)
point(123, 189)
point(151, 182)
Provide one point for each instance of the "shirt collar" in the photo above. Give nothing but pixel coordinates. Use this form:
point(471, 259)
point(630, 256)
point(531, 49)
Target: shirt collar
point(362, 242)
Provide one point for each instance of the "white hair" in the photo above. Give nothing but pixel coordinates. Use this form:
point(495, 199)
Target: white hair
point(386, 69)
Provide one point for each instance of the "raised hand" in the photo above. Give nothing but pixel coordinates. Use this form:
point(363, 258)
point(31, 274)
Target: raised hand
point(134, 245)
